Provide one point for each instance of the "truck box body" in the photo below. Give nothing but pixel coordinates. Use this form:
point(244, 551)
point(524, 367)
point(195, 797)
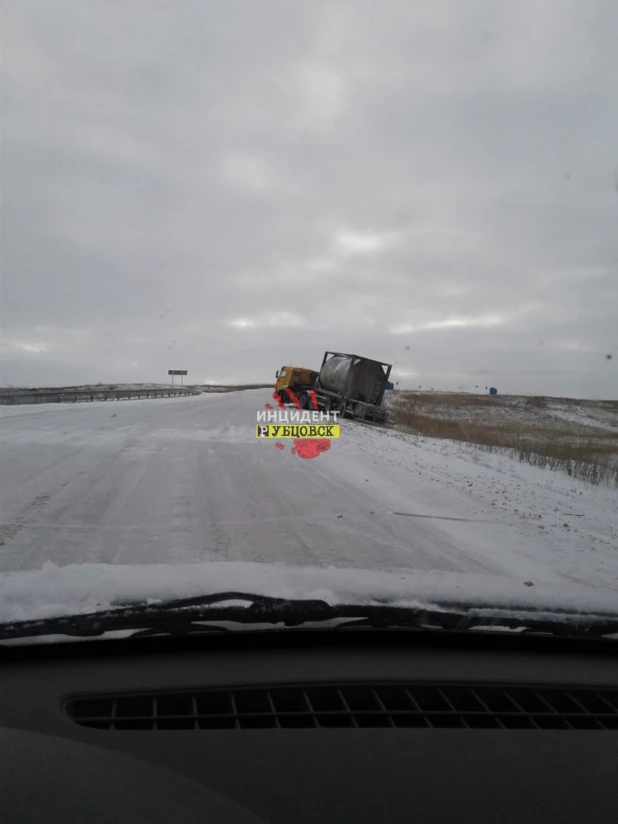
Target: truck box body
point(357, 379)
point(352, 383)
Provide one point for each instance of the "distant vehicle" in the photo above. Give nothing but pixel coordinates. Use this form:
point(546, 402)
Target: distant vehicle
point(349, 384)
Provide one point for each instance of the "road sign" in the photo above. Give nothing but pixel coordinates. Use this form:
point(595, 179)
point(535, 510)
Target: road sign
point(173, 372)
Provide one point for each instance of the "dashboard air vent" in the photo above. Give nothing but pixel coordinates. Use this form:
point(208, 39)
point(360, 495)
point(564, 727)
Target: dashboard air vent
point(358, 705)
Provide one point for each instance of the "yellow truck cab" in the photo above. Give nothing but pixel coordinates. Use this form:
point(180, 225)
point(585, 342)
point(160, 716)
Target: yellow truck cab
point(295, 378)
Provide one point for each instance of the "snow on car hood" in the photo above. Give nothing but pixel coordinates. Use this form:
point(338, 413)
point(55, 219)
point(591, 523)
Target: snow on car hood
point(80, 588)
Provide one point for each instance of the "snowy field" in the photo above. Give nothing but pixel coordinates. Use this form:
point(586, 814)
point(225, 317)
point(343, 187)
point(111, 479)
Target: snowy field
point(176, 496)
point(536, 413)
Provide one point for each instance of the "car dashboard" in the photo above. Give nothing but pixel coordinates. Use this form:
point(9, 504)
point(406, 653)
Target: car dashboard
point(307, 726)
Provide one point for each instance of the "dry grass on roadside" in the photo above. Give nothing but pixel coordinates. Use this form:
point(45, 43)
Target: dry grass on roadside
point(587, 454)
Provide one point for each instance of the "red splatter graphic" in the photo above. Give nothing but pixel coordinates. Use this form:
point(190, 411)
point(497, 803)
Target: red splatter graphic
point(280, 403)
point(303, 447)
point(309, 447)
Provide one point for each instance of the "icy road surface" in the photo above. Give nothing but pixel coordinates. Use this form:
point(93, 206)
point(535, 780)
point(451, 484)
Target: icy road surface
point(185, 481)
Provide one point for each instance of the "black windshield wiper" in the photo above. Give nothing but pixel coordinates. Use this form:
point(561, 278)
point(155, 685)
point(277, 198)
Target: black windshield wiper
point(178, 616)
point(212, 612)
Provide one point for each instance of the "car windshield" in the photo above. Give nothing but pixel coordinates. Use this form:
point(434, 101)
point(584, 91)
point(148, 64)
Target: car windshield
point(412, 206)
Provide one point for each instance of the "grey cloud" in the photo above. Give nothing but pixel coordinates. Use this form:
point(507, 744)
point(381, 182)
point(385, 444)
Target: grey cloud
point(328, 174)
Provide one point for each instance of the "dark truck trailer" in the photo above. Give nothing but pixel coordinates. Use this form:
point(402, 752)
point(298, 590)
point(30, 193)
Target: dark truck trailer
point(351, 385)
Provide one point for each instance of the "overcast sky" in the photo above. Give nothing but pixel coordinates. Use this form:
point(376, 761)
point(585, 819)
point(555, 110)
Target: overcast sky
point(231, 185)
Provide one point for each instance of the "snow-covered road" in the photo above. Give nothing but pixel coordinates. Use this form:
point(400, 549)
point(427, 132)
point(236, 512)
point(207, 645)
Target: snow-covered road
point(184, 480)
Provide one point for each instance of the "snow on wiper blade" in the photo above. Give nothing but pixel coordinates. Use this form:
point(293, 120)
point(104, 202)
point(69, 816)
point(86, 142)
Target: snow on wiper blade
point(212, 613)
point(179, 616)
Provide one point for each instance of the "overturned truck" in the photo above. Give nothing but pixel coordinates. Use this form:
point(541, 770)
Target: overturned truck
point(351, 385)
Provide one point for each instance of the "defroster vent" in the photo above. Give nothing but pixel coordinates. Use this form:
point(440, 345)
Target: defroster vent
point(359, 705)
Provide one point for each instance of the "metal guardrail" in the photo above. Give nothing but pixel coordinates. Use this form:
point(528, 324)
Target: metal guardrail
point(86, 395)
